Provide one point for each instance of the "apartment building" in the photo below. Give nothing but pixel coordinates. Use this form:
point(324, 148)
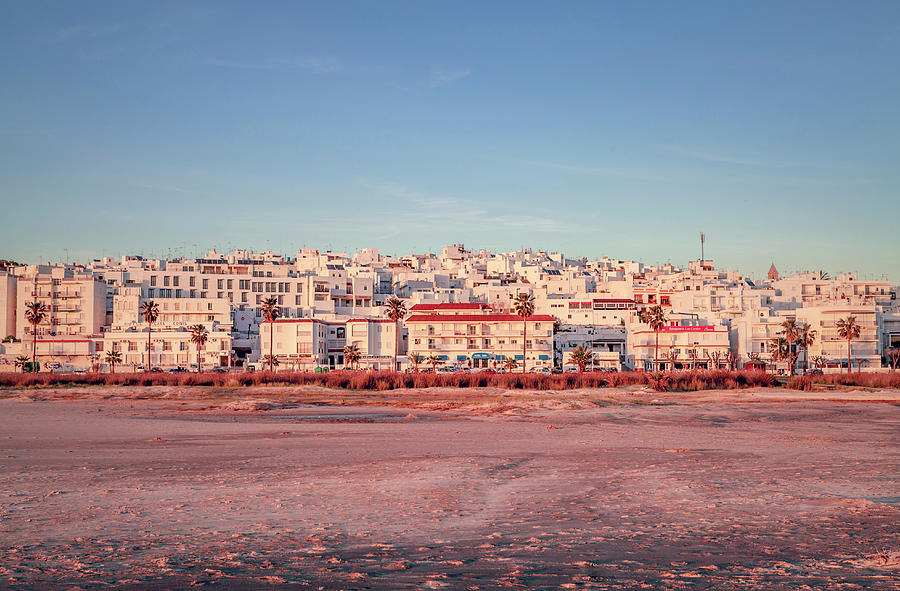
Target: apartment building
point(483, 340)
point(168, 348)
point(308, 343)
point(682, 344)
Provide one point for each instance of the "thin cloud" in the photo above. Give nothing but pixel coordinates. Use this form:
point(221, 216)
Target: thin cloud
point(594, 170)
point(87, 31)
point(313, 63)
point(713, 157)
point(443, 77)
point(451, 212)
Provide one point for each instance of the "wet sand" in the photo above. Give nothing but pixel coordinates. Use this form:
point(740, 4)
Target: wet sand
point(158, 489)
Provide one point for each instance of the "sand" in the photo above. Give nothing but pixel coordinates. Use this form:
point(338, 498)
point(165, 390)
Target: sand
point(158, 488)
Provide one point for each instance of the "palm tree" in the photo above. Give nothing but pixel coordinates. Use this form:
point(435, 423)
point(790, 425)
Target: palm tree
point(819, 361)
point(272, 361)
point(434, 360)
point(806, 336)
point(780, 348)
point(35, 312)
point(150, 313)
point(655, 317)
point(791, 332)
point(112, 358)
point(21, 361)
point(95, 361)
point(510, 363)
point(199, 336)
point(396, 311)
point(848, 329)
point(351, 355)
point(581, 357)
point(416, 360)
point(271, 311)
point(524, 307)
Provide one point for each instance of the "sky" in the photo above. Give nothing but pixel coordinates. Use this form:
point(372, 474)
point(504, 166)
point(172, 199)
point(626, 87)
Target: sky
point(590, 128)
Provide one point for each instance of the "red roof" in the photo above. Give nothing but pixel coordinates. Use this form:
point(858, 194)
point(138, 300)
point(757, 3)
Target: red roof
point(479, 318)
point(466, 306)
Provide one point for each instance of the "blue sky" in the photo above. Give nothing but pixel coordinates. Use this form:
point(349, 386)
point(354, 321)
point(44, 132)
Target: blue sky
point(592, 128)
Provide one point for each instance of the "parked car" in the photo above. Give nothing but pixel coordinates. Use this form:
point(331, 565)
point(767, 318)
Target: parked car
point(815, 372)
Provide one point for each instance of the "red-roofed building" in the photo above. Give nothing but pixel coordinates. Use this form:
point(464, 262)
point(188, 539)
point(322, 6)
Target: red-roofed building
point(482, 340)
point(451, 309)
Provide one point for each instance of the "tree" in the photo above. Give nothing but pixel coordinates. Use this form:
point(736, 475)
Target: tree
point(715, 357)
point(271, 361)
point(396, 311)
point(95, 361)
point(199, 336)
point(271, 311)
point(581, 357)
point(21, 361)
point(150, 314)
point(434, 360)
point(806, 336)
point(692, 355)
point(510, 363)
point(112, 358)
point(893, 353)
point(848, 329)
point(655, 317)
point(35, 312)
point(352, 355)
point(780, 348)
point(416, 360)
point(524, 307)
point(819, 361)
point(790, 330)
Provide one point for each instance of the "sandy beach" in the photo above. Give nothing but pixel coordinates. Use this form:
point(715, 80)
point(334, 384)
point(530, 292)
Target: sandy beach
point(158, 488)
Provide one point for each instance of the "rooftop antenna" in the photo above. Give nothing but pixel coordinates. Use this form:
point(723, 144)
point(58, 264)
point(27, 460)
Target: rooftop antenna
point(702, 241)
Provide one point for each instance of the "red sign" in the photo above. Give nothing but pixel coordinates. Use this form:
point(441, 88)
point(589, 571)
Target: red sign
point(688, 329)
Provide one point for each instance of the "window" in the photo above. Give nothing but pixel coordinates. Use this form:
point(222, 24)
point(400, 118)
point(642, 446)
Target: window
point(175, 281)
point(153, 280)
point(192, 281)
point(166, 280)
point(220, 283)
point(206, 284)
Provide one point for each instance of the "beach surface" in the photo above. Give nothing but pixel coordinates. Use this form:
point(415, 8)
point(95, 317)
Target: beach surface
point(304, 487)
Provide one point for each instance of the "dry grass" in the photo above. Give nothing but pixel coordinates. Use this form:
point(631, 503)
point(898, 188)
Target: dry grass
point(865, 380)
point(683, 381)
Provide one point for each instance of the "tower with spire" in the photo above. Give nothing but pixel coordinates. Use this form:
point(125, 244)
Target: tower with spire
point(773, 273)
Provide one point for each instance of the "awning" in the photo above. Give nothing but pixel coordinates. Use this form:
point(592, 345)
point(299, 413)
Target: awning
point(444, 357)
point(520, 357)
point(481, 356)
point(543, 357)
point(461, 357)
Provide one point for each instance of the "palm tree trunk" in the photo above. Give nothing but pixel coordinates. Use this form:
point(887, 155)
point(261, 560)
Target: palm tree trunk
point(149, 343)
point(656, 350)
point(524, 342)
point(849, 363)
point(396, 345)
point(198, 358)
point(33, 350)
point(271, 352)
